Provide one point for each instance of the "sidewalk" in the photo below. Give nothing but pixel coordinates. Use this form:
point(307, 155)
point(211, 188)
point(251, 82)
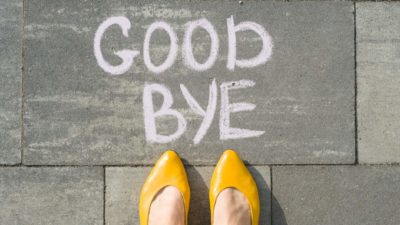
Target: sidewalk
point(323, 111)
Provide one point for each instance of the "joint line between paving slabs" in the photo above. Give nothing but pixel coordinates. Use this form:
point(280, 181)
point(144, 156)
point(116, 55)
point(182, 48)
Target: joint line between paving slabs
point(355, 85)
point(271, 195)
point(286, 165)
point(22, 143)
point(151, 165)
point(104, 195)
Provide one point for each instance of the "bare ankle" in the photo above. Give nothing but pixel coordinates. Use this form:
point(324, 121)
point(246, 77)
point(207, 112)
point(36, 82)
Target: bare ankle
point(167, 208)
point(231, 208)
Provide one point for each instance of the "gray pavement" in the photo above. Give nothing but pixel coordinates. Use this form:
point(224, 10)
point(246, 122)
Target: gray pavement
point(51, 195)
point(378, 63)
point(10, 81)
point(78, 114)
point(74, 143)
point(357, 195)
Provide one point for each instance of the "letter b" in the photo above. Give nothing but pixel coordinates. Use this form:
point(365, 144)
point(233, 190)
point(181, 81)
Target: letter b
point(165, 110)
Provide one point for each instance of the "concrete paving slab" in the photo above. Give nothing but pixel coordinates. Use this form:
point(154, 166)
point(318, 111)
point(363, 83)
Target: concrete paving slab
point(10, 80)
point(51, 195)
point(77, 113)
point(378, 66)
point(348, 195)
point(123, 186)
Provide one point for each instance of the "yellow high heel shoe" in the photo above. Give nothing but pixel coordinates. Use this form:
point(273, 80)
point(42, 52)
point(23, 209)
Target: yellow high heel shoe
point(168, 171)
point(231, 172)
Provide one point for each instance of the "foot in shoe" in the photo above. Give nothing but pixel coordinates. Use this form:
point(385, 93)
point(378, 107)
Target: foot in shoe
point(231, 208)
point(167, 208)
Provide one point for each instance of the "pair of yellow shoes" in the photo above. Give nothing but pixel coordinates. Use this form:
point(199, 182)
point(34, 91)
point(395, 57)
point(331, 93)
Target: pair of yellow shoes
point(230, 172)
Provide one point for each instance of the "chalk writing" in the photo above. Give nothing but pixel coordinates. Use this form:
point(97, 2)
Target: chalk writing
point(206, 112)
point(187, 52)
point(150, 116)
point(127, 56)
point(264, 54)
point(207, 115)
point(227, 132)
point(173, 49)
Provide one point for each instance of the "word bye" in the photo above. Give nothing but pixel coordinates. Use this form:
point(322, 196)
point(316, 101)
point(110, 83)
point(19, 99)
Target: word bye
point(207, 113)
point(128, 55)
point(226, 131)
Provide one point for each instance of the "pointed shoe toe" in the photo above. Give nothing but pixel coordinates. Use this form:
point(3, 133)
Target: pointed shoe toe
point(168, 171)
point(231, 172)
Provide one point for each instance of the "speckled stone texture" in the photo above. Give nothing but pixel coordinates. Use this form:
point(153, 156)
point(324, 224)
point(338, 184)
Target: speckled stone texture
point(10, 80)
point(77, 114)
point(378, 66)
point(50, 195)
point(348, 195)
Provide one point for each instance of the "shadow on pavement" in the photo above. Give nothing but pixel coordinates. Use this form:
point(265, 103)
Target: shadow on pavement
point(199, 212)
point(275, 212)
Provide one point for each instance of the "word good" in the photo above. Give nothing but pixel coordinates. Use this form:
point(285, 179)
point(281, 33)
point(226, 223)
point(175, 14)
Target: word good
point(127, 55)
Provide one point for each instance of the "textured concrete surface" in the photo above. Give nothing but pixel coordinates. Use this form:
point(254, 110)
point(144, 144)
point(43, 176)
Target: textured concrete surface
point(123, 186)
point(51, 195)
point(77, 114)
point(348, 195)
point(378, 66)
point(10, 80)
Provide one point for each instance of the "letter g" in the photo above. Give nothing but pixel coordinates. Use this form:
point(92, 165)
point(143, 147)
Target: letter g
point(126, 55)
